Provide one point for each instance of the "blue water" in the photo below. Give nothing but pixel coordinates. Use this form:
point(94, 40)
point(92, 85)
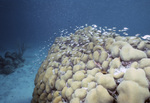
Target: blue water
point(34, 21)
point(38, 22)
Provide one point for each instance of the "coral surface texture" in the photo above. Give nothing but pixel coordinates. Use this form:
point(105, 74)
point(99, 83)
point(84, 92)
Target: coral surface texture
point(94, 66)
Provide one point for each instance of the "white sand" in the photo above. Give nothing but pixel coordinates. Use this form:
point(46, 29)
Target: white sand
point(18, 86)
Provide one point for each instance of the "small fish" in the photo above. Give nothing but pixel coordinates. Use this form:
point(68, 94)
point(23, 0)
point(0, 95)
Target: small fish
point(103, 30)
point(125, 28)
point(109, 29)
point(137, 35)
point(99, 31)
point(114, 27)
point(120, 30)
point(100, 28)
point(125, 33)
point(95, 26)
point(146, 37)
point(105, 27)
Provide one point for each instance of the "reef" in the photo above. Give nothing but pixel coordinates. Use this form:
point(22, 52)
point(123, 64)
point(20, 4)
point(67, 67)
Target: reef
point(12, 60)
point(91, 66)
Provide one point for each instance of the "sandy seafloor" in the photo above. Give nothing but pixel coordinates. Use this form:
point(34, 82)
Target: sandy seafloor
point(18, 86)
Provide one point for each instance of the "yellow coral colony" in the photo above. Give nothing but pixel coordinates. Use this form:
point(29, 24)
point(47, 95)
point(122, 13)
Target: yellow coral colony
point(91, 66)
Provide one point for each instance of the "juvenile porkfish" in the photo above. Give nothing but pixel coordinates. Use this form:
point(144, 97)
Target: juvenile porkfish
point(125, 29)
point(119, 30)
point(95, 26)
point(137, 35)
point(109, 29)
point(114, 28)
point(147, 37)
point(125, 33)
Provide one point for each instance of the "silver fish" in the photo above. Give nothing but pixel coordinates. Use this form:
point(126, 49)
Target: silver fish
point(147, 37)
point(137, 35)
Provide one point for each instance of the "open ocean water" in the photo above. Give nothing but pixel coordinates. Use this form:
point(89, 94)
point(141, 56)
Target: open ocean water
point(36, 24)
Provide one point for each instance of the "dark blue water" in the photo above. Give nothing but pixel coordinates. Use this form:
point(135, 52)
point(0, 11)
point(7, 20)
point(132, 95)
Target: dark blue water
point(34, 21)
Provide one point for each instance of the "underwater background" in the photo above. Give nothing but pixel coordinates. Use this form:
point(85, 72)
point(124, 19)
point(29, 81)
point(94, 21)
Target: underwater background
point(33, 21)
point(36, 24)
